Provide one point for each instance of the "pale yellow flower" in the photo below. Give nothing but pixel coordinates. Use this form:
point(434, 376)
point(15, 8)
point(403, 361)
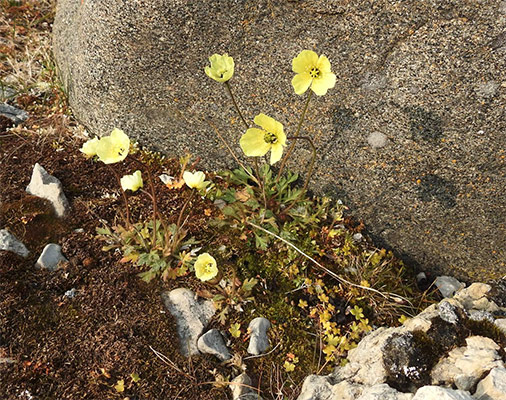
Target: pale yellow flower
point(221, 69)
point(312, 71)
point(257, 142)
point(132, 182)
point(195, 180)
point(90, 148)
point(205, 267)
point(113, 148)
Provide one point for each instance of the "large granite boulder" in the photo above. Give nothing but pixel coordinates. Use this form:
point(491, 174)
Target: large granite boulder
point(412, 138)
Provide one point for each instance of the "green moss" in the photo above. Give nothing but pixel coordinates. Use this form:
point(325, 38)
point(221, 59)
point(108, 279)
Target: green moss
point(487, 329)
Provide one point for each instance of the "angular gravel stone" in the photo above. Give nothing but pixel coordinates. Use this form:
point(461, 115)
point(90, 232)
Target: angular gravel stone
point(14, 114)
point(48, 187)
point(240, 389)
point(383, 392)
point(501, 324)
point(480, 315)
point(439, 393)
point(8, 242)
point(50, 258)
point(6, 93)
point(493, 387)
point(316, 388)
point(258, 342)
point(449, 312)
point(368, 356)
point(212, 342)
point(192, 316)
point(448, 285)
point(464, 366)
point(346, 391)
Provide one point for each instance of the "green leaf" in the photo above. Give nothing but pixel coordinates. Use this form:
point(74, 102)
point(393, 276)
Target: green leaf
point(229, 211)
point(260, 242)
point(249, 284)
point(135, 377)
point(147, 276)
point(104, 231)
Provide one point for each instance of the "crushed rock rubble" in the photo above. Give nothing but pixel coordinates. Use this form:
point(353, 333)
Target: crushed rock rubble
point(444, 353)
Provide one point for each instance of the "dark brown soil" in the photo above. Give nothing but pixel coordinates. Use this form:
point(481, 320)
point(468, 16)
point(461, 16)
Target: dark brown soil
point(79, 348)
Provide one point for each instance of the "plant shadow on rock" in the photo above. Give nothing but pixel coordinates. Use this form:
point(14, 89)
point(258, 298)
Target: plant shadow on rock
point(435, 187)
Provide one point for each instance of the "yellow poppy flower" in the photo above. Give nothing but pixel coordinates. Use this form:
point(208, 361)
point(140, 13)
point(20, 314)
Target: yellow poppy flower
point(221, 69)
point(90, 148)
point(195, 180)
point(132, 182)
point(312, 71)
point(113, 148)
point(257, 142)
point(205, 267)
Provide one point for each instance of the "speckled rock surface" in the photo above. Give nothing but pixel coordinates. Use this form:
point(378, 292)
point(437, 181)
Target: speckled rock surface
point(412, 137)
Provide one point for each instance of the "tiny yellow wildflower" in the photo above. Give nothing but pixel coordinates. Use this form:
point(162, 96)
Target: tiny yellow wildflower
point(205, 267)
point(257, 142)
point(113, 148)
point(90, 148)
point(221, 69)
point(357, 312)
point(289, 367)
point(235, 330)
point(302, 303)
point(132, 182)
point(195, 180)
point(312, 71)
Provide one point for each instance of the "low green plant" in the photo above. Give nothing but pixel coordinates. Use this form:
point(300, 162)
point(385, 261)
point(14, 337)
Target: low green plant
point(161, 248)
point(169, 257)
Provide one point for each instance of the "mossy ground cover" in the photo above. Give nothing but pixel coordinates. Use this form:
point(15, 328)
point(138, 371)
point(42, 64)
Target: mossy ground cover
point(103, 343)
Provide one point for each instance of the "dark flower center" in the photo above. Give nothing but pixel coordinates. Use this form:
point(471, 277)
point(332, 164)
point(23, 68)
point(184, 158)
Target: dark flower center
point(270, 138)
point(314, 72)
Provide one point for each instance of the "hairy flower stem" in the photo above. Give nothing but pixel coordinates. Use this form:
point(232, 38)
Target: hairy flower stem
point(127, 209)
point(290, 149)
point(153, 199)
point(229, 89)
point(261, 183)
point(253, 177)
point(179, 220)
point(309, 171)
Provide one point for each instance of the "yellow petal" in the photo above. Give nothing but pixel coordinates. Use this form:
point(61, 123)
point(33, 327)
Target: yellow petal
point(222, 67)
point(113, 148)
point(269, 124)
point(195, 180)
point(306, 60)
point(323, 64)
point(90, 147)
point(301, 82)
point(253, 144)
point(276, 153)
point(119, 137)
point(281, 137)
point(321, 85)
point(132, 182)
point(205, 267)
